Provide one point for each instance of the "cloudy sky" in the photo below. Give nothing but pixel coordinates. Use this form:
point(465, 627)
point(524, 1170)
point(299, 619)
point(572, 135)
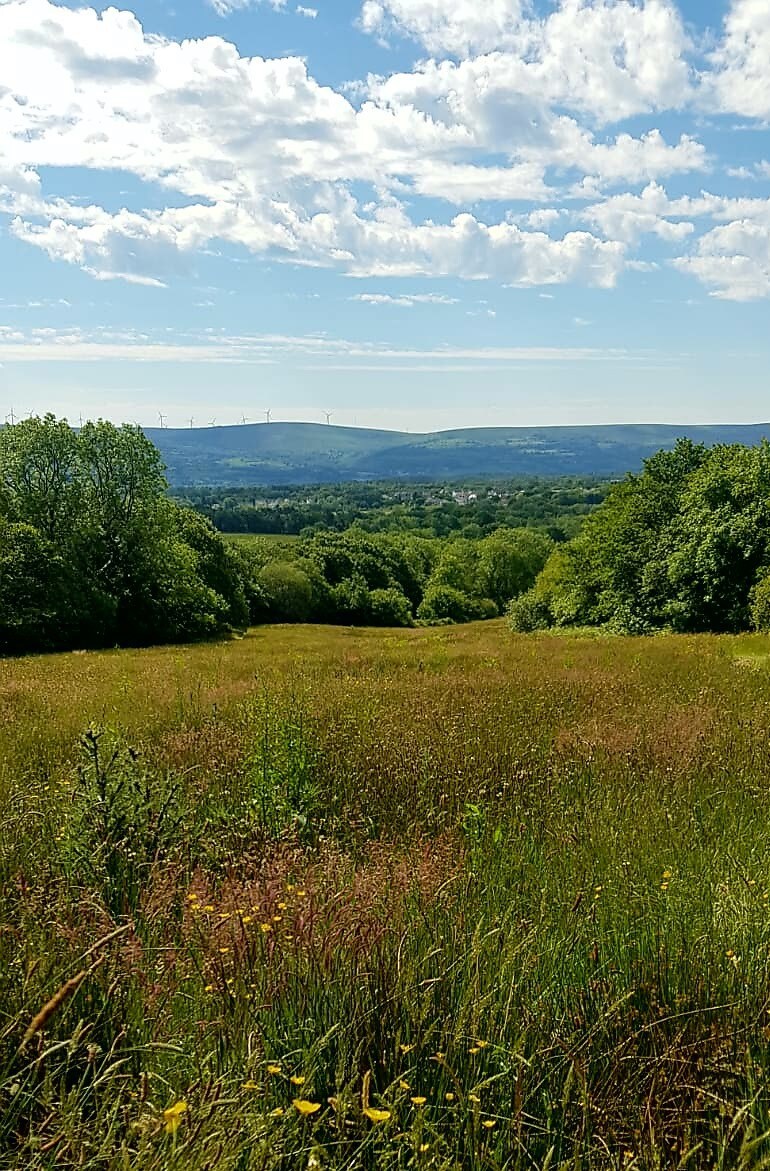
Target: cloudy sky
point(412, 213)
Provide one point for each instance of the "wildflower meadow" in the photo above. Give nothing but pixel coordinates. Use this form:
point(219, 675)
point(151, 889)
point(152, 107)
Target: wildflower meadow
point(446, 898)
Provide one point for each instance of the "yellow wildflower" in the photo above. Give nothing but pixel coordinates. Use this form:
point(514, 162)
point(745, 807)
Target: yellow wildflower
point(305, 1107)
point(404, 1085)
point(488, 1123)
point(450, 1097)
point(265, 927)
point(418, 1100)
point(375, 1115)
point(273, 1069)
point(474, 1049)
point(250, 1085)
point(406, 1048)
point(277, 1113)
point(172, 1116)
point(297, 1079)
point(473, 1098)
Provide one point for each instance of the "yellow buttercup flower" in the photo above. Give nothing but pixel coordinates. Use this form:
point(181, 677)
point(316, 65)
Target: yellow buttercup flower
point(473, 1098)
point(488, 1123)
point(250, 1085)
point(406, 1048)
point(404, 1085)
point(375, 1115)
point(418, 1100)
point(273, 1069)
point(304, 1107)
point(450, 1097)
point(277, 1113)
point(297, 1079)
point(172, 1116)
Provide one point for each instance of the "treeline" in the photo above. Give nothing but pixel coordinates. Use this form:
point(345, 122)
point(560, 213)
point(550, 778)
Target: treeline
point(94, 553)
point(387, 579)
point(684, 546)
point(472, 509)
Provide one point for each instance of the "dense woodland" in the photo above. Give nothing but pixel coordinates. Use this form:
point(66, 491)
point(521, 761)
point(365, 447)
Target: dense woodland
point(470, 508)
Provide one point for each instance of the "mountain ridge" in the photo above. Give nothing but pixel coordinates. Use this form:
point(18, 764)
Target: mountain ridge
point(304, 453)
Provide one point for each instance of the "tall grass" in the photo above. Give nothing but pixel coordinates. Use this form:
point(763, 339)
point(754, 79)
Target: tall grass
point(436, 898)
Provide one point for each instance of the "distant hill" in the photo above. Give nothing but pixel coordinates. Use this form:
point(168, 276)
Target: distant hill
point(312, 453)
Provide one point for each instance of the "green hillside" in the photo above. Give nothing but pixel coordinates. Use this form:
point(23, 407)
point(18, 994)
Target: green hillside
point(296, 453)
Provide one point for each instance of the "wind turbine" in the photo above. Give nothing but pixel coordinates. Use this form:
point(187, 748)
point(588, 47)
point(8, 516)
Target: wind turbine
point(267, 416)
point(213, 423)
point(162, 418)
point(244, 420)
point(191, 421)
point(328, 417)
point(11, 416)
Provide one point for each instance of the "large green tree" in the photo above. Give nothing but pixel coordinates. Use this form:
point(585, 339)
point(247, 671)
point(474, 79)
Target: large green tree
point(92, 552)
point(683, 545)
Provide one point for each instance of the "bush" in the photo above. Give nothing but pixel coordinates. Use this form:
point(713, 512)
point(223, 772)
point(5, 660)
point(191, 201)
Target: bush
point(760, 603)
point(288, 590)
point(389, 608)
point(529, 612)
point(444, 601)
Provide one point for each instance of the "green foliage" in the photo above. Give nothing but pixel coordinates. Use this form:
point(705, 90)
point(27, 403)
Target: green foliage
point(528, 612)
point(288, 591)
point(443, 602)
point(473, 508)
point(760, 603)
point(681, 546)
point(389, 608)
point(92, 552)
point(122, 824)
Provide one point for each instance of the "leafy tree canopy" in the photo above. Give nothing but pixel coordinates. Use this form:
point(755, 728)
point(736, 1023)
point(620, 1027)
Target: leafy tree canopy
point(685, 545)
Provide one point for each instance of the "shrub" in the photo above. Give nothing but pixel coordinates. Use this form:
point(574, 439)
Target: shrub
point(289, 591)
point(389, 608)
point(760, 603)
point(529, 612)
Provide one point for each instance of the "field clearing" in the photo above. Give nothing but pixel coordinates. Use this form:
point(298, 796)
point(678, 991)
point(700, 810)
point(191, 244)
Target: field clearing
point(442, 898)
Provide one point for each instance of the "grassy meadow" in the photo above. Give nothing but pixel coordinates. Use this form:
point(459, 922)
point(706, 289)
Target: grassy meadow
point(445, 898)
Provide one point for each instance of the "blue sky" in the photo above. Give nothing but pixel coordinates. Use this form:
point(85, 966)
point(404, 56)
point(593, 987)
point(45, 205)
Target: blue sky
point(412, 213)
